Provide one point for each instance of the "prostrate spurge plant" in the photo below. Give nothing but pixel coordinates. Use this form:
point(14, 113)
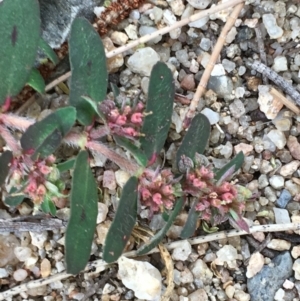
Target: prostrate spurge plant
point(29, 168)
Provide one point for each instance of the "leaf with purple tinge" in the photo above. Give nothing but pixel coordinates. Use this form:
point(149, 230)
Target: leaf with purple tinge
point(238, 222)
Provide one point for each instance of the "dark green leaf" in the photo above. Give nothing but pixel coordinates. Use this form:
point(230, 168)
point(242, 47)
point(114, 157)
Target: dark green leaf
point(160, 104)
point(43, 137)
point(36, 81)
point(14, 198)
point(237, 162)
point(67, 165)
point(136, 152)
point(196, 138)
point(191, 223)
point(48, 51)
point(157, 238)
point(123, 223)
point(5, 160)
point(19, 36)
point(84, 209)
point(88, 66)
point(48, 206)
point(115, 90)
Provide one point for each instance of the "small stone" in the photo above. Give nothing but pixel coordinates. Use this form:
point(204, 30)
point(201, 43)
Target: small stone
point(294, 147)
point(200, 22)
point(230, 290)
point(237, 108)
point(255, 265)
point(296, 268)
point(20, 275)
point(228, 65)
point(102, 230)
point(278, 138)
point(102, 213)
point(263, 181)
point(132, 271)
point(45, 268)
point(121, 177)
point(241, 296)
point(279, 245)
point(182, 251)
point(287, 170)
point(131, 31)
point(221, 85)
point(280, 64)
point(197, 295)
point(218, 70)
point(177, 7)
point(201, 271)
point(109, 180)
point(205, 44)
point(199, 4)
point(169, 18)
point(3, 273)
point(288, 284)
point(245, 148)
point(22, 253)
point(188, 82)
point(212, 116)
point(296, 251)
point(108, 288)
point(281, 216)
point(227, 253)
point(272, 28)
point(145, 30)
point(143, 60)
point(119, 38)
point(277, 182)
point(186, 276)
point(38, 239)
point(60, 266)
point(115, 62)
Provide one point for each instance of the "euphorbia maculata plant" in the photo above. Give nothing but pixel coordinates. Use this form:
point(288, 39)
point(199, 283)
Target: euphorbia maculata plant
point(29, 169)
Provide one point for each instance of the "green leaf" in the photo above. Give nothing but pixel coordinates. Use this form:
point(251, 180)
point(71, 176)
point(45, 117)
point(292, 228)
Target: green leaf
point(43, 137)
point(237, 221)
point(115, 90)
point(67, 165)
point(19, 36)
point(160, 103)
point(14, 198)
point(36, 81)
point(88, 66)
point(191, 223)
point(48, 51)
point(84, 209)
point(123, 223)
point(5, 160)
point(136, 152)
point(48, 206)
point(236, 162)
point(157, 238)
point(196, 138)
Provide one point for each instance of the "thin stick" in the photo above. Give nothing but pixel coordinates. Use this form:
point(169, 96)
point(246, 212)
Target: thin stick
point(101, 265)
point(155, 34)
point(262, 53)
point(288, 103)
point(214, 56)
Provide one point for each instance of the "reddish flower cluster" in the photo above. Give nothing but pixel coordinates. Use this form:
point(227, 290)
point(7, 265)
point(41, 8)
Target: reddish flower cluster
point(125, 121)
point(33, 173)
point(158, 190)
point(215, 202)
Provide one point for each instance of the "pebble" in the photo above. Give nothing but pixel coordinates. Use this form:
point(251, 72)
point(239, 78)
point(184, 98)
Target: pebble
point(278, 138)
point(45, 268)
point(131, 31)
point(272, 28)
point(244, 147)
point(255, 265)
point(169, 18)
point(263, 181)
point(121, 177)
point(287, 170)
point(182, 251)
point(199, 4)
point(263, 286)
point(218, 70)
point(227, 253)
point(288, 284)
point(177, 7)
point(115, 62)
point(197, 295)
point(38, 239)
point(294, 147)
point(109, 180)
point(212, 116)
point(281, 216)
point(143, 60)
point(228, 65)
point(22, 253)
point(201, 271)
point(237, 108)
point(145, 30)
point(205, 44)
point(188, 82)
point(296, 251)
point(279, 245)
point(277, 182)
point(241, 296)
point(132, 271)
point(186, 276)
point(221, 85)
point(280, 64)
point(3, 273)
point(119, 38)
point(20, 274)
point(296, 268)
point(102, 213)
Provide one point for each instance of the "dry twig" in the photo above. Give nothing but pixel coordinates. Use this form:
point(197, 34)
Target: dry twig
point(214, 56)
point(101, 265)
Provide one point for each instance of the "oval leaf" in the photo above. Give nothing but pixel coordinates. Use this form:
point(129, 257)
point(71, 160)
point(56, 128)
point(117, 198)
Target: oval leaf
point(236, 162)
point(5, 160)
point(48, 51)
point(157, 238)
point(123, 223)
point(191, 223)
point(36, 81)
point(19, 36)
point(160, 103)
point(88, 66)
point(84, 209)
point(43, 137)
point(195, 139)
